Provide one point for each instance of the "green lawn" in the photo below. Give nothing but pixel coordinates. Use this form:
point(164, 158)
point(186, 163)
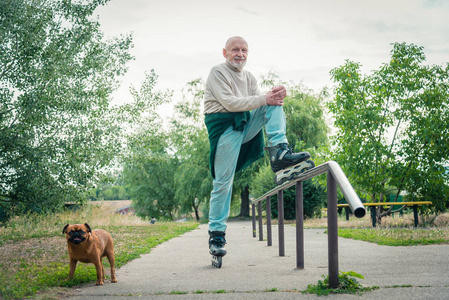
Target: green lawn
point(33, 252)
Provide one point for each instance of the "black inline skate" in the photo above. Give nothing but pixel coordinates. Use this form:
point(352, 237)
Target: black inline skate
point(288, 165)
point(216, 247)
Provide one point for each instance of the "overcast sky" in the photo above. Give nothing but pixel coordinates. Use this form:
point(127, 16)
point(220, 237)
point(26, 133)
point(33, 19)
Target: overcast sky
point(299, 40)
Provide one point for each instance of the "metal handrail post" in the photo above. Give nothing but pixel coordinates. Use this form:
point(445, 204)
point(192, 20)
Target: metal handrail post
point(332, 230)
point(281, 223)
point(259, 215)
point(299, 225)
point(253, 212)
point(269, 235)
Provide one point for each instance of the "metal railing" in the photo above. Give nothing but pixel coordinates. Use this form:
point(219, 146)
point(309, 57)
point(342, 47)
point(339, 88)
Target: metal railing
point(334, 176)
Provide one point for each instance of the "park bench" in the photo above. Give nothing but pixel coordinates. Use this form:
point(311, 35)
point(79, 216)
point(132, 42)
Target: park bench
point(373, 206)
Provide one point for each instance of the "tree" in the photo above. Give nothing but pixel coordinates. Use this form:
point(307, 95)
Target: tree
point(150, 176)
point(306, 126)
point(393, 126)
point(56, 77)
point(192, 178)
point(149, 162)
point(111, 186)
point(193, 182)
point(242, 184)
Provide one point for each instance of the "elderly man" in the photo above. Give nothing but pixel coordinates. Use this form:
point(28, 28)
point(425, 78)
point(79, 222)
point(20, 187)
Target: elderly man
point(235, 112)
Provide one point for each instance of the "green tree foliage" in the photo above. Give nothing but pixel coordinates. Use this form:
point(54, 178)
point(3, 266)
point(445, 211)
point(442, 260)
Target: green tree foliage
point(149, 162)
point(110, 187)
point(167, 170)
point(192, 178)
point(393, 126)
point(56, 75)
point(306, 126)
point(150, 176)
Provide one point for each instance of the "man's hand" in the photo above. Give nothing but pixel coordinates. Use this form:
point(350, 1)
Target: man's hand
point(276, 96)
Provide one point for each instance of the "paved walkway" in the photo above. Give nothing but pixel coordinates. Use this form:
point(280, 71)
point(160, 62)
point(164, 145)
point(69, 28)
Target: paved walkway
point(181, 269)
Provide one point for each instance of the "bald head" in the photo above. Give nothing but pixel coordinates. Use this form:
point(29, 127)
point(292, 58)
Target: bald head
point(234, 39)
point(236, 52)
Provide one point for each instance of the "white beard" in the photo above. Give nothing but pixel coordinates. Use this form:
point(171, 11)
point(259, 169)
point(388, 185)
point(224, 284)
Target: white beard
point(238, 65)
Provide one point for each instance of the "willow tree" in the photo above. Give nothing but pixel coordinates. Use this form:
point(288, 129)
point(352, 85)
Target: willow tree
point(189, 135)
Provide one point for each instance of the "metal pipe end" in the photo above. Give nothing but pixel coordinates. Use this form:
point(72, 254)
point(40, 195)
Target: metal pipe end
point(360, 212)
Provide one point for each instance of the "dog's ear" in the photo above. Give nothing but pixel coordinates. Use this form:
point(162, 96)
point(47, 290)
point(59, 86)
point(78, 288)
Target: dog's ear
point(88, 227)
point(64, 230)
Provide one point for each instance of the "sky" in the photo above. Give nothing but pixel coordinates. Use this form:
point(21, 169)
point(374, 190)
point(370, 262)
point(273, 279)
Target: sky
point(299, 40)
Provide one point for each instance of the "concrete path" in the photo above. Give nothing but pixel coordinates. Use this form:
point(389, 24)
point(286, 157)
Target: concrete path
point(181, 269)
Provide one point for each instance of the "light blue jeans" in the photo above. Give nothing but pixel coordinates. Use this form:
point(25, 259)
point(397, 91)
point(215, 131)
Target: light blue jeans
point(228, 149)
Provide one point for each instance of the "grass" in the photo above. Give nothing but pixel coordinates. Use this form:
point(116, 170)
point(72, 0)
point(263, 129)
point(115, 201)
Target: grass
point(347, 284)
point(33, 250)
point(177, 293)
point(398, 236)
point(398, 231)
point(397, 221)
point(34, 260)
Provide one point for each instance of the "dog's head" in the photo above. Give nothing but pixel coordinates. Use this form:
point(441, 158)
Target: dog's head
point(77, 233)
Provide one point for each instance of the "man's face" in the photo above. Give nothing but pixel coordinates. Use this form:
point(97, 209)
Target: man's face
point(236, 53)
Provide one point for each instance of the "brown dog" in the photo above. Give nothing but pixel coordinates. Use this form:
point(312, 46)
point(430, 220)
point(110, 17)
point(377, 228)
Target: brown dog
point(89, 246)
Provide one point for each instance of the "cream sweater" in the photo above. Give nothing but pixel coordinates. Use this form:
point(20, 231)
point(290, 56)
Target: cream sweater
point(230, 90)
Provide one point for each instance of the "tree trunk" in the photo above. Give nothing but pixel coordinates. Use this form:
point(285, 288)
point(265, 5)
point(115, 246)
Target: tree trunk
point(197, 216)
point(379, 215)
point(244, 207)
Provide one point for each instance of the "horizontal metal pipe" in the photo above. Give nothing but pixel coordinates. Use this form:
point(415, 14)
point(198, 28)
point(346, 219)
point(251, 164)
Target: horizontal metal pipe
point(342, 181)
point(348, 191)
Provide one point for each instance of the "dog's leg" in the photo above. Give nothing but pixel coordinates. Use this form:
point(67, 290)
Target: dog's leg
point(72, 268)
point(100, 272)
point(111, 259)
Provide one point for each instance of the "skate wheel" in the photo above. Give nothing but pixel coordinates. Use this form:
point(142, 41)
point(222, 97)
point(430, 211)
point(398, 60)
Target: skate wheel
point(304, 169)
point(284, 179)
point(311, 165)
point(217, 261)
point(293, 173)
